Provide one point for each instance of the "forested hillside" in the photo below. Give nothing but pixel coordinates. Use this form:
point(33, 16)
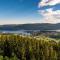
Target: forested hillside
point(36, 26)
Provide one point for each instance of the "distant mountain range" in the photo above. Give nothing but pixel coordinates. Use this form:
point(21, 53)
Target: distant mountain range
point(36, 26)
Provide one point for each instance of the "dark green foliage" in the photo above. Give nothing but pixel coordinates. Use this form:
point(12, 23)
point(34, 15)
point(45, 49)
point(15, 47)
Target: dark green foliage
point(16, 47)
point(7, 49)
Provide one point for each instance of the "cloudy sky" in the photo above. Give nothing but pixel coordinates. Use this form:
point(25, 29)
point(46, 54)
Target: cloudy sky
point(29, 11)
point(50, 10)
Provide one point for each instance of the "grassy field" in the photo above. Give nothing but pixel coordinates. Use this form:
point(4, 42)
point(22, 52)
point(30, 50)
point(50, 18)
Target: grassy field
point(16, 47)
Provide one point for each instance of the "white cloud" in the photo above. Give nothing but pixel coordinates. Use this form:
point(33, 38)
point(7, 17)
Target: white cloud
point(50, 16)
point(48, 2)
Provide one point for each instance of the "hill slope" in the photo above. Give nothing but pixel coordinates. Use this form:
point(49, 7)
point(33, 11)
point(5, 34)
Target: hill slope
point(38, 26)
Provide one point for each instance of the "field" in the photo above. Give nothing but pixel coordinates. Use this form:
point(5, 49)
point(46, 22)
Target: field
point(18, 47)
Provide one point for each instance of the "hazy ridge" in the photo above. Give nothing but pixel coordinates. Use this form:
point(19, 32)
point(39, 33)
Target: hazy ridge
point(37, 26)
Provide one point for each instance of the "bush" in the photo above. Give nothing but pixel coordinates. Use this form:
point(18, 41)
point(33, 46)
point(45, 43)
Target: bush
point(16, 47)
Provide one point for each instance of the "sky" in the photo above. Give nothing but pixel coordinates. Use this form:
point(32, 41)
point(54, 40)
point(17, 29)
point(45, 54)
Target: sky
point(29, 11)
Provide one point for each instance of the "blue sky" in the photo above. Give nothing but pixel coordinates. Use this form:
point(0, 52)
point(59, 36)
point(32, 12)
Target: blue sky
point(24, 11)
point(19, 10)
point(17, 7)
